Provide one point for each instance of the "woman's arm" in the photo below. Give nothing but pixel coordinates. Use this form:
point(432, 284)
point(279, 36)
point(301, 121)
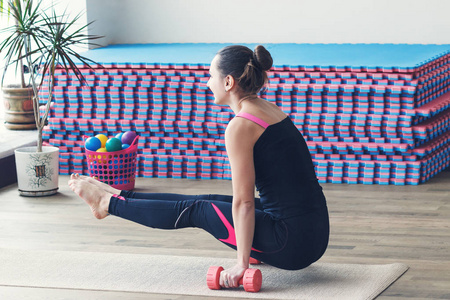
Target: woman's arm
point(239, 140)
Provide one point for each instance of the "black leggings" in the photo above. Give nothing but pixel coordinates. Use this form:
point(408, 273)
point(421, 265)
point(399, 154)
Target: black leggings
point(291, 244)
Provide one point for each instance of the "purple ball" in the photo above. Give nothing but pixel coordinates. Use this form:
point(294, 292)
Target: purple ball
point(128, 137)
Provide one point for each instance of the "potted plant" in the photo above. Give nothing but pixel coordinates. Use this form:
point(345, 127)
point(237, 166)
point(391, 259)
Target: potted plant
point(43, 41)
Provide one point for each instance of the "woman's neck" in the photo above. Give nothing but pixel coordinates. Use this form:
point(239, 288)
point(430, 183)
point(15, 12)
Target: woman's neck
point(237, 105)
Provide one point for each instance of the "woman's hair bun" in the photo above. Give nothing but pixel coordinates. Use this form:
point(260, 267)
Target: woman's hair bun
point(263, 57)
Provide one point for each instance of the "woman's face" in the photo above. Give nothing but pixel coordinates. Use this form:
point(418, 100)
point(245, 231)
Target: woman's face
point(216, 83)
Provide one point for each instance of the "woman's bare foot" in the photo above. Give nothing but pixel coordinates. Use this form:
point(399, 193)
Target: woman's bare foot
point(103, 186)
point(96, 198)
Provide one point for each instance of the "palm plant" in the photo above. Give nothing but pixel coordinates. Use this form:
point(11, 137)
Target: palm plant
point(43, 41)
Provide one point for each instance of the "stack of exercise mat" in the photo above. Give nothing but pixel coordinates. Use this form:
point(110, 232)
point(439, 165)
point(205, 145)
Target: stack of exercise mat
point(370, 113)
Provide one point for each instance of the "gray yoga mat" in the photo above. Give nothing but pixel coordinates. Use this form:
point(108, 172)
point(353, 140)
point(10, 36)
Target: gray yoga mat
point(187, 275)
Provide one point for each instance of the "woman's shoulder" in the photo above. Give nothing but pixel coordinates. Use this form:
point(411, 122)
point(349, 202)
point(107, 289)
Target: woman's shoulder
point(242, 131)
point(269, 112)
point(239, 125)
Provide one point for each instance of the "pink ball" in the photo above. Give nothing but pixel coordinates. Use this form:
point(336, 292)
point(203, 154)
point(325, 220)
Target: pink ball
point(128, 137)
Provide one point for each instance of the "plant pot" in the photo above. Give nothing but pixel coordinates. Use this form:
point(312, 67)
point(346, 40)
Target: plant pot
point(37, 172)
point(19, 114)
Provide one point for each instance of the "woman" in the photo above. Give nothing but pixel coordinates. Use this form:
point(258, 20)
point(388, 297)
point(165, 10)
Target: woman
point(287, 226)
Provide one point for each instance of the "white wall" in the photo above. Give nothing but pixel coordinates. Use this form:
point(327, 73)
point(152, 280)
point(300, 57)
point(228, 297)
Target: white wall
point(270, 21)
point(264, 21)
point(71, 9)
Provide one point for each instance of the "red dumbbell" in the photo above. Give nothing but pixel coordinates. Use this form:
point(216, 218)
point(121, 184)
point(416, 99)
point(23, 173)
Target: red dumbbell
point(254, 261)
point(251, 280)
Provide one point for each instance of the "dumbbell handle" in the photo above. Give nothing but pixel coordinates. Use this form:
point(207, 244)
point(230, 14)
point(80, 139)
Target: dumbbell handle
point(241, 281)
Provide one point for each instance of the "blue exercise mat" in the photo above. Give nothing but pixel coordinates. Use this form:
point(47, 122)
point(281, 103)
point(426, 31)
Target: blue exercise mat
point(390, 56)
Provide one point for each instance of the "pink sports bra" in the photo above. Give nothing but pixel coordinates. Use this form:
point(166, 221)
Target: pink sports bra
point(253, 118)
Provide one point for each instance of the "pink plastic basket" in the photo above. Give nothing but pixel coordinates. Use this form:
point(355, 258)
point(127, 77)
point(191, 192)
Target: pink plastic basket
point(117, 169)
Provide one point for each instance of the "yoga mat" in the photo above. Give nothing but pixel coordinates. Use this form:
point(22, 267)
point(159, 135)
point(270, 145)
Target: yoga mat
point(187, 275)
point(367, 55)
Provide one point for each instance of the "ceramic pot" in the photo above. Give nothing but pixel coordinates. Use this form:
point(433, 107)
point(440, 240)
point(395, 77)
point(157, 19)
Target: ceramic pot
point(18, 102)
point(37, 172)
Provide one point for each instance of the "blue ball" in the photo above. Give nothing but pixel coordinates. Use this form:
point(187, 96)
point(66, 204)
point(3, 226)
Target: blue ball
point(125, 146)
point(93, 144)
point(119, 135)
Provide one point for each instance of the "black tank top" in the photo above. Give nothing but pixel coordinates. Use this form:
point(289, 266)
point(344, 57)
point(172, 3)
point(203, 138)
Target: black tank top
point(285, 175)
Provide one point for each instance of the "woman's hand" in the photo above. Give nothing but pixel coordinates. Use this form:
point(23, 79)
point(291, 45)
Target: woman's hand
point(229, 278)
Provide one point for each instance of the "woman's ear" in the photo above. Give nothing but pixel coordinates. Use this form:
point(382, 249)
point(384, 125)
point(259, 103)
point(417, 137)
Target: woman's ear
point(229, 83)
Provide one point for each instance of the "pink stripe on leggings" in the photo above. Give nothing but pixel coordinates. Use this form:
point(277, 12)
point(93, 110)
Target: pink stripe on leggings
point(231, 233)
point(119, 197)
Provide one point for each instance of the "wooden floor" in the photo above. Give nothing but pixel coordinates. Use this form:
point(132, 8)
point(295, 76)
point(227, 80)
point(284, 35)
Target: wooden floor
point(369, 225)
